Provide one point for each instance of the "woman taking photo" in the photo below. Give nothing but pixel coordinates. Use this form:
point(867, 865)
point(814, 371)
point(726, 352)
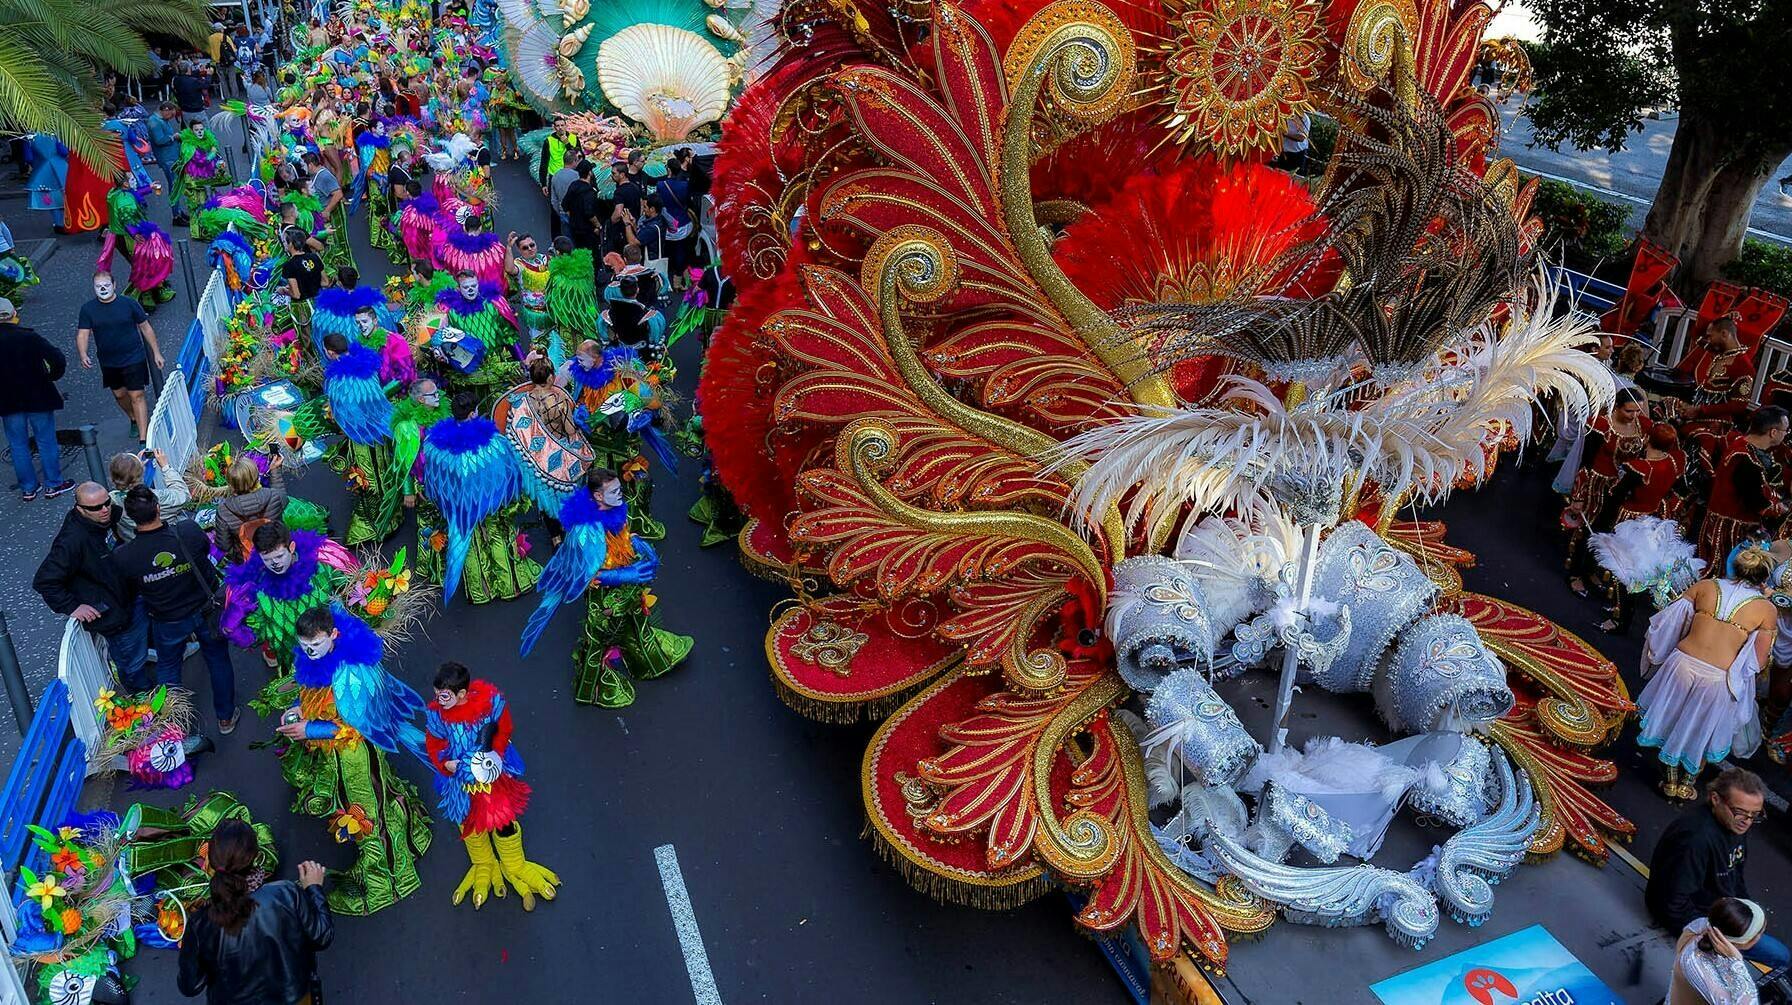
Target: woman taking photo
point(254, 943)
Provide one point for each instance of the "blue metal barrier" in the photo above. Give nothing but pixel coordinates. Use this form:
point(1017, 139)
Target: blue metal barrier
point(45, 779)
point(1587, 292)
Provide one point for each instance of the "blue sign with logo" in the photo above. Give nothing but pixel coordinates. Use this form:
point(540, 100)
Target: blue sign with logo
point(1525, 968)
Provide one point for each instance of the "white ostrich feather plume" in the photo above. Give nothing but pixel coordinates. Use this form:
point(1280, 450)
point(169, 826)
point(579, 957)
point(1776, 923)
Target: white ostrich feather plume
point(1418, 436)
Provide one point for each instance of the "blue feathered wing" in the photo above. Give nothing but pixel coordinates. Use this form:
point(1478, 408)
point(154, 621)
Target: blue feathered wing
point(468, 486)
point(379, 706)
point(575, 564)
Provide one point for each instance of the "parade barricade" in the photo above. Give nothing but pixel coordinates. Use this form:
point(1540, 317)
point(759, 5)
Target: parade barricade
point(81, 665)
point(174, 423)
point(42, 787)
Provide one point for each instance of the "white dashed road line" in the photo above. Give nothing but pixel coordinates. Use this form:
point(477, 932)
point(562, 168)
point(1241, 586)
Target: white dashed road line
point(684, 919)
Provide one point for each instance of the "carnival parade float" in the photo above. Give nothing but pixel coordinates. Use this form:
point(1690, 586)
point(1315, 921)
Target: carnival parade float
point(1061, 412)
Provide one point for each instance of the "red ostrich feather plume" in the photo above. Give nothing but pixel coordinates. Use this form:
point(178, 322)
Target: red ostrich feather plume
point(736, 400)
point(1195, 232)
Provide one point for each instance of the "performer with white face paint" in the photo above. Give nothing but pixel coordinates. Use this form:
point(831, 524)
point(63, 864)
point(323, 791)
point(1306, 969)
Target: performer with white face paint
point(349, 714)
point(287, 573)
point(117, 329)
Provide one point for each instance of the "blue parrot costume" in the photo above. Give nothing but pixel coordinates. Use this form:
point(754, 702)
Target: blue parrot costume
point(334, 310)
point(354, 713)
point(603, 561)
point(359, 409)
point(472, 475)
point(358, 400)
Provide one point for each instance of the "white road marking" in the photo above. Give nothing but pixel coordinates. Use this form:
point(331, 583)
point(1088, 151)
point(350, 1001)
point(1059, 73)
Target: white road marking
point(684, 919)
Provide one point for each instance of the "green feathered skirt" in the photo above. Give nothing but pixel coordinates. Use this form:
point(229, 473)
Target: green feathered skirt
point(496, 568)
point(620, 634)
point(332, 782)
point(375, 488)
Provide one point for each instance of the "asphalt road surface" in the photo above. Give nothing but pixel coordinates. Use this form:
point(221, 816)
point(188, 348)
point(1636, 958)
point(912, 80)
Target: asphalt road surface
point(1631, 175)
point(760, 807)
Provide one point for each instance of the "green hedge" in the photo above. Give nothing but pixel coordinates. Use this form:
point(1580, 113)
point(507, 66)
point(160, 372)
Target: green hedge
point(1767, 264)
point(1586, 227)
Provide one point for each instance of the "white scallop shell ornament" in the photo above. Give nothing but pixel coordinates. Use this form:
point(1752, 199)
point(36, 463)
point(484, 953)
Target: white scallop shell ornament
point(668, 79)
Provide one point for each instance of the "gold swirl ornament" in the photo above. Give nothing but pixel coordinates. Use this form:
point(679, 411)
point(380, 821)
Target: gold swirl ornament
point(1084, 845)
point(1378, 47)
point(867, 446)
point(915, 263)
point(1080, 55)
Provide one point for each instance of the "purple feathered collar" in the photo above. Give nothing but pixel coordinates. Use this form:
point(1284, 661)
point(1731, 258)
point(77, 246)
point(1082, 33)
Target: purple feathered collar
point(450, 299)
point(423, 202)
point(472, 244)
point(355, 644)
point(292, 584)
point(462, 436)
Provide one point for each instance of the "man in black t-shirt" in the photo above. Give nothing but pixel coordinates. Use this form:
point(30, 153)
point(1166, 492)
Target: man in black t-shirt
point(169, 567)
point(1702, 855)
point(581, 205)
point(119, 328)
point(304, 276)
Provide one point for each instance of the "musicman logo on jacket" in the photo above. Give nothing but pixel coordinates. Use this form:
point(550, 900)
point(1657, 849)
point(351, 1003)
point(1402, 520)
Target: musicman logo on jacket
point(166, 567)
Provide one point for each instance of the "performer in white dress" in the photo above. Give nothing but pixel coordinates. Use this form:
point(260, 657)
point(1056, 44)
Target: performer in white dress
point(1708, 965)
point(1704, 651)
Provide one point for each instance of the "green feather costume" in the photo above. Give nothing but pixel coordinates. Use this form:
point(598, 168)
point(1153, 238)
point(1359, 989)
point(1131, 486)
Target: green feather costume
point(572, 298)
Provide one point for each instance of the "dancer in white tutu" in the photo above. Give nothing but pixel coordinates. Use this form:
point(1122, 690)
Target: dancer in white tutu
point(1704, 651)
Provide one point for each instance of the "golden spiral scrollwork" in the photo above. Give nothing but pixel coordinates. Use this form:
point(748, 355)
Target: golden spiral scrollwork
point(867, 446)
point(1081, 56)
point(1082, 845)
point(1378, 46)
point(918, 260)
point(1081, 53)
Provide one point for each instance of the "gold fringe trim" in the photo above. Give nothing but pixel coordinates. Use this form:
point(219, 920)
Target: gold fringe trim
point(946, 890)
point(842, 713)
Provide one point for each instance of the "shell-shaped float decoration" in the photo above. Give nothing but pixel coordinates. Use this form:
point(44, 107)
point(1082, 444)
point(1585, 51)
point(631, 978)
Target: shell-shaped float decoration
point(573, 11)
point(720, 27)
point(668, 79)
point(573, 41)
point(572, 79)
point(716, 4)
point(535, 57)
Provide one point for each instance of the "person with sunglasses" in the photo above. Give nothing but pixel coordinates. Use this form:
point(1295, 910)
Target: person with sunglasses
point(1702, 855)
point(77, 580)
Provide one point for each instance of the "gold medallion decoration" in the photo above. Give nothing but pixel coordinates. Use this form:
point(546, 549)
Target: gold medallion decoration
point(1238, 69)
point(830, 645)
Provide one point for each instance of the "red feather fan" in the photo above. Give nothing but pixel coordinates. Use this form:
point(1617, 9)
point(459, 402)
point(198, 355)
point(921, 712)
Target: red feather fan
point(736, 404)
point(1194, 233)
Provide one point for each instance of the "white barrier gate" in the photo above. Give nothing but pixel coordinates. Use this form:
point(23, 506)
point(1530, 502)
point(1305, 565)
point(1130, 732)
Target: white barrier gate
point(83, 666)
point(214, 312)
point(173, 428)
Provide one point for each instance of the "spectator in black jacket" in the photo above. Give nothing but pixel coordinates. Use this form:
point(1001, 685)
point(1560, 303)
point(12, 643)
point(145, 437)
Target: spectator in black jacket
point(253, 945)
point(29, 369)
point(1702, 855)
point(77, 579)
point(169, 567)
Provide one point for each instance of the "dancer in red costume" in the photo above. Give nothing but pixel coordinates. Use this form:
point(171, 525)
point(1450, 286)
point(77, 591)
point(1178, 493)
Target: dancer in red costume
point(1747, 491)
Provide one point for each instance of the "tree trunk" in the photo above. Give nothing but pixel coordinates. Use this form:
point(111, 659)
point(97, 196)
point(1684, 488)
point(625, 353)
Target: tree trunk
point(1729, 203)
point(1707, 193)
point(1674, 217)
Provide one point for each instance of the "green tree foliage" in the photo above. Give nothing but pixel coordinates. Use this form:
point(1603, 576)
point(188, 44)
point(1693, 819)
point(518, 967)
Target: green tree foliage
point(1721, 63)
point(54, 54)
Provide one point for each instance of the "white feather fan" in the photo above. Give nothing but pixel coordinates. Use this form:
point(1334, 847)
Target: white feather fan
point(1420, 435)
